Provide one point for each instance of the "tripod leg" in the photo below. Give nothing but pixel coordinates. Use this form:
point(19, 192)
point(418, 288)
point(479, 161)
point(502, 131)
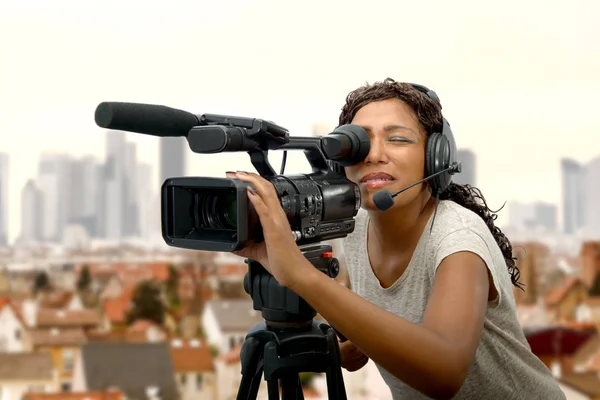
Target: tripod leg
point(335, 380)
point(292, 388)
point(273, 389)
point(250, 357)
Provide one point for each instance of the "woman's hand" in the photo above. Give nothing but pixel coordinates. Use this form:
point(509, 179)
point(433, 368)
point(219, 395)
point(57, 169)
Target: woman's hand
point(279, 254)
point(352, 358)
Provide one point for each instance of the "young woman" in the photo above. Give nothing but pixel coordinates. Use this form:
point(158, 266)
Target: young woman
point(431, 299)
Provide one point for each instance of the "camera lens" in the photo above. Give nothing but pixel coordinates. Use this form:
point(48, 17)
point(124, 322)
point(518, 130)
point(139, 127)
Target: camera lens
point(216, 210)
point(227, 206)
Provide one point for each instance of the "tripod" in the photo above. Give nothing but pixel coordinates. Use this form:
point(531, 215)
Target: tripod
point(289, 341)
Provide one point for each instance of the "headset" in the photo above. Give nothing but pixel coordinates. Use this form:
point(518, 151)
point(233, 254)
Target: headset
point(440, 152)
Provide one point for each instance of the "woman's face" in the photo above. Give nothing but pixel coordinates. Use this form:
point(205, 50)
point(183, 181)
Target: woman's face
point(397, 155)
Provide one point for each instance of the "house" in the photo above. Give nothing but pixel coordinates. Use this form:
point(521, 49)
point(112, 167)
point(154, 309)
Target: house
point(115, 310)
point(194, 369)
point(563, 300)
point(144, 331)
point(228, 369)
point(589, 310)
point(63, 344)
point(87, 319)
point(113, 288)
point(108, 395)
point(141, 370)
point(23, 372)
point(4, 282)
point(14, 336)
point(227, 322)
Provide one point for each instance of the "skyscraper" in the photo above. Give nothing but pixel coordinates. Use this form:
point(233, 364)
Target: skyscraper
point(53, 181)
point(572, 193)
point(148, 215)
point(3, 199)
point(84, 189)
point(468, 174)
point(591, 199)
point(172, 157)
point(545, 215)
point(114, 186)
point(31, 213)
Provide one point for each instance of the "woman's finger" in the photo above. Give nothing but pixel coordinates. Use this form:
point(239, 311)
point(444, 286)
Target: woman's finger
point(264, 188)
point(259, 205)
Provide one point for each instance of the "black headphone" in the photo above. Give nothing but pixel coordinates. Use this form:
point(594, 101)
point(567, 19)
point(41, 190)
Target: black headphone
point(440, 152)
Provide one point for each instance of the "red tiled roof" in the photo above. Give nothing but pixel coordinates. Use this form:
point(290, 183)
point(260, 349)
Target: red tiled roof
point(112, 395)
point(191, 355)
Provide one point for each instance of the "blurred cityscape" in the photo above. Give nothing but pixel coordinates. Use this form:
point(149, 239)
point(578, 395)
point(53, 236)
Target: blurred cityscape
point(93, 304)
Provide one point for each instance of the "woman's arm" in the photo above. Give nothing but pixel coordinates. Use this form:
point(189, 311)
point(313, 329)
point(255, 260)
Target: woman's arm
point(433, 357)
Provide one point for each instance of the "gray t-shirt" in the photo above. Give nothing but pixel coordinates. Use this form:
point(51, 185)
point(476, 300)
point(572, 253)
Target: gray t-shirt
point(504, 367)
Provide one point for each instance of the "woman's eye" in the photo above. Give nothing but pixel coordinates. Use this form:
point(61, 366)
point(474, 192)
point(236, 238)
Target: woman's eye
point(400, 139)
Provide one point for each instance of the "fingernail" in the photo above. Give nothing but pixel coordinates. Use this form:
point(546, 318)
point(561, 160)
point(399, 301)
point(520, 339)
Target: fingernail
point(241, 173)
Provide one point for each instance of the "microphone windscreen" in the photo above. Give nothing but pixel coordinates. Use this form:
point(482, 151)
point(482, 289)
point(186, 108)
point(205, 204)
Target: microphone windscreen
point(383, 200)
point(148, 119)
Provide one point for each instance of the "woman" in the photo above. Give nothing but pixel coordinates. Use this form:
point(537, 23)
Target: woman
point(431, 299)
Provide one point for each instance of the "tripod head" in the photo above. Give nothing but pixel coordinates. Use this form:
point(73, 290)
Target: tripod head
point(281, 308)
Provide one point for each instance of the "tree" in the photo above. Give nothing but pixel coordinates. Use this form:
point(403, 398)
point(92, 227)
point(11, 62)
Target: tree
point(172, 288)
point(147, 303)
point(85, 278)
point(42, 282)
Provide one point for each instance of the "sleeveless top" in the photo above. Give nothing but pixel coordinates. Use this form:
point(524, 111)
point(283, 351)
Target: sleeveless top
point(504, 366)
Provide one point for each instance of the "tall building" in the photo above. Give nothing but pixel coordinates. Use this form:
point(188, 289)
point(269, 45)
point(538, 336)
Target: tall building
point(148, 215)
point(172, 157)
point(54, 182)
point(572, 196)
point(468, 174)
point(591, 199)
point(85, 189)
point(31, 213)
point(114, 189)
point(3, 199)
point(131, 221)
point(545, 215)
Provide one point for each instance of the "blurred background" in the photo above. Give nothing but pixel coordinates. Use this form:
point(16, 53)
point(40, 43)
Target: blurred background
point(94, 304)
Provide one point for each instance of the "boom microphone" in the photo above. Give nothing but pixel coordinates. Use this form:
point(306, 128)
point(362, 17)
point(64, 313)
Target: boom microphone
point(384, 199)
point(148, 119)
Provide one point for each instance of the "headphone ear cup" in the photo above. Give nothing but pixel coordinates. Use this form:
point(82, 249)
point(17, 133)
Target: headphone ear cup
point(430, 155)
point(441, 161)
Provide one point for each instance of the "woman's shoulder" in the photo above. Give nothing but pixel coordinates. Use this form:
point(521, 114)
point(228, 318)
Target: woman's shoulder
point(451, 217)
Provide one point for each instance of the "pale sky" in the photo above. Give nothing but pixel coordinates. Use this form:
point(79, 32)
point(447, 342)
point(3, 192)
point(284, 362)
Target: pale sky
point(517, 79)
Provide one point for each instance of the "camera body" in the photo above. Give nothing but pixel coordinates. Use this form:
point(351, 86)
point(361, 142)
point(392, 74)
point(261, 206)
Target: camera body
point(214, 214)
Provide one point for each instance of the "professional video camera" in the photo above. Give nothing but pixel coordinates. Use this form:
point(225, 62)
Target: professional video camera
point(214, 214)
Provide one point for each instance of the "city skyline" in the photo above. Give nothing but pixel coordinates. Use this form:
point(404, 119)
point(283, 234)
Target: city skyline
point(91, 208)
point(112, 198)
